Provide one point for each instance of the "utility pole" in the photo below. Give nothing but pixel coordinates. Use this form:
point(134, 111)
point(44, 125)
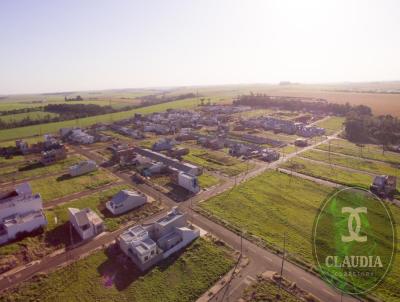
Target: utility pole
point(283, 261)
point(241, 243)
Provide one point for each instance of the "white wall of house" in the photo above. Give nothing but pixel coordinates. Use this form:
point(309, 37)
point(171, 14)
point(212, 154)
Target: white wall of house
point(38, 220)
point(188, 182)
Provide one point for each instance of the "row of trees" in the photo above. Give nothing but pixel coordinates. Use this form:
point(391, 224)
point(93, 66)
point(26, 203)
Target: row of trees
point(297, 104)
point(158, 99)
point(383, 130)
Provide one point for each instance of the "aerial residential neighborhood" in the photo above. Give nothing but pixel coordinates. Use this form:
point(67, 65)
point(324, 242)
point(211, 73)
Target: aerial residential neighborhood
point(199, 151)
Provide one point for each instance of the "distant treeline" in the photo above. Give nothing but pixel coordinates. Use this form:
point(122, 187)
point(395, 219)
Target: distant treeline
point(158, 99)
point(383, 130)
point(72, 111)
point(283, 103)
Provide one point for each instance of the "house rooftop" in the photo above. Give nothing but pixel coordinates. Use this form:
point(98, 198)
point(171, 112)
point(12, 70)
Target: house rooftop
point(121, 196)
point(171, 216)
point(135, 233)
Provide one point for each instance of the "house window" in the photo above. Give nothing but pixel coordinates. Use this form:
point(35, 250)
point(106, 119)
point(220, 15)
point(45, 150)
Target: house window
point(146, 258)
point(152, 252)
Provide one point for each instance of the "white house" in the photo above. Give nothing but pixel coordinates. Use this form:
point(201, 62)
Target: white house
point(86, 222)
point(20, 211)
point(137, 245)
point(125, 200)
point(189, 182)
point(83, 167)
point(147, 245)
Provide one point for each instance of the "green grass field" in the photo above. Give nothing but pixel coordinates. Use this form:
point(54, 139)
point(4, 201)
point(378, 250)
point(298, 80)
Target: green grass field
point(14, 160)
point(21, 132)
point(37, 115)
point(350, 162)
point(273, 203)
point(217, 161)
point(207, 180)
point(30, 140)
point(369, 151)
point(332, 124)
point(26, 170)
point(326, 172)
point(101, 277)
point(54, 187)
point(265, 290)
point(97, 203)
point(7, 106)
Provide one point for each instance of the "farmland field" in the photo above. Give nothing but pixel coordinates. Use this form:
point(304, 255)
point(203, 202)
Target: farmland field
point(54, 187)
point(101, 277)
point(217, 161)
point(369, 151)
point(26, 170)
point(273, 203)
point(36, 115)
point(326, 172)
point(351, 162)
point(21, 132)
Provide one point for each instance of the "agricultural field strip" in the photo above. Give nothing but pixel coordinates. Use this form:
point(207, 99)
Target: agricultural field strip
point(350, 169)
point(372, 152)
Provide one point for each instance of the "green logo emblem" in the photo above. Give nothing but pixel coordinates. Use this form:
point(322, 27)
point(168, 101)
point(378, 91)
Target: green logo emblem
point(354, 240)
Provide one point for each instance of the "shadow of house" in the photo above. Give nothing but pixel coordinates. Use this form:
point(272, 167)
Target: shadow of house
point(64, 177)
point(117, 270)
point(31, 166)
point(62, 235)
point(121, 272)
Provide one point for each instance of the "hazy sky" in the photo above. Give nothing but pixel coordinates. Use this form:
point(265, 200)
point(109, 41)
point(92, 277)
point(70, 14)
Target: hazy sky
point(65, 45)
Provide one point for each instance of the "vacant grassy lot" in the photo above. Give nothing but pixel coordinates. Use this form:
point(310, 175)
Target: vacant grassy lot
point(266, 291)
point(351, 162)
point(217, 161)
point(97, 203)
point(331, 173)
point(273, 203)
point(9, 134)
point(287, 138)
point(207, 180)
point(29, 170)
point(58, 186)
point(332, 124)
point(269, 205)
point(13, 160)
point(31, 140)
point(101, 277)
point(368, 151)
point(37, 115)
